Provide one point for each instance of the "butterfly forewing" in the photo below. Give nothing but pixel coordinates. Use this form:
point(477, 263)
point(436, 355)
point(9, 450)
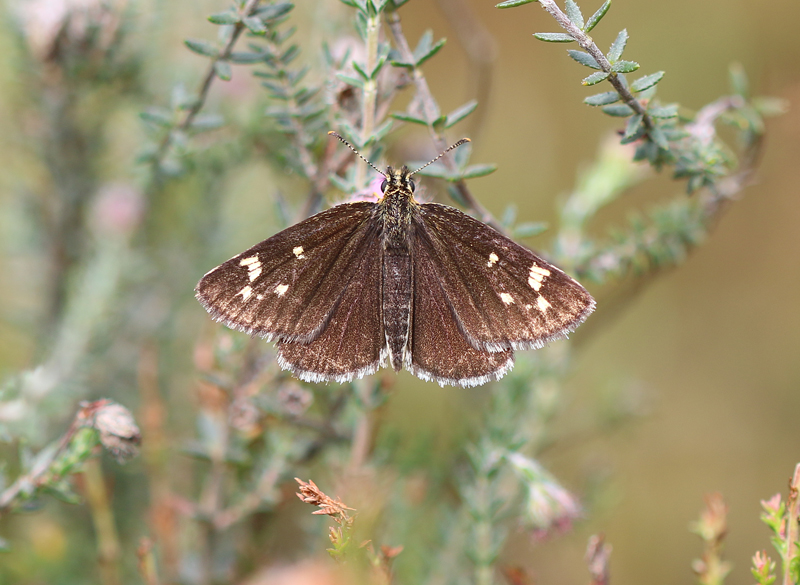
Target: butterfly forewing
point(352, 343)
point(288, 285)
point(438, 349)
point(503, 295)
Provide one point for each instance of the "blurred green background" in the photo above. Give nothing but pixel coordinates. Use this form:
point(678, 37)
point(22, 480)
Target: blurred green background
point(709, 354)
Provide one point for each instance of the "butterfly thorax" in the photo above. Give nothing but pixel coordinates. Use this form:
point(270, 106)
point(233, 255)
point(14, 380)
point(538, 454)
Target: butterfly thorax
point(396, 208)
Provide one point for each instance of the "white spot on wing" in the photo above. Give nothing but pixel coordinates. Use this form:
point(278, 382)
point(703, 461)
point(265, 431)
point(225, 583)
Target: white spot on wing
point(298, 251)
point(537, 276)
point(253, 274)
point(506, 298)
point(539, 270)
point(493, 258)
point(542, 303)
point(246, 261)
point(245, 292)
point(281, 289)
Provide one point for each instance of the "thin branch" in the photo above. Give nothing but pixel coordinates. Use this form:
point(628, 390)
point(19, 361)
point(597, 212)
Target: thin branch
point(587, 44)
point(792, 526)
point(41, 474)
point(431, 112)
point(597, 556)
point(108, 548)
point(205, 86)
point(252, 501)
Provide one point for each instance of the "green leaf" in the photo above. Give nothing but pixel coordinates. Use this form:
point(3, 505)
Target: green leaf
point(554, 37)
point(201, 47)
point(439, 171)
point(615, 52)
point(584, 59)
point(602, 99)
point(597, 16)
point(204, 122)
point(633, 127)
point(574, 13)
point(769, 106)
point(739, 82)
point(360, 70)
point(670, 111)
point(474, 171)
point(395, 58)
point(646, 82)
point(624, 66)
point(433, 50)
point(157, 117)
point(618, 110)
point(595, 78)
point(273, 11)
point(513, 3)
point(254, 24)
point(658, 137)
point(409, 118)
point(423, 45)
point(147, 155)
point(425, 48)
point(509, 216)
point(354, 81)
point(438, 123)
point(529, 229)
point(223, 70)
point(456, 116)
point(289, 55)
point(227, 17)
point(245, 58)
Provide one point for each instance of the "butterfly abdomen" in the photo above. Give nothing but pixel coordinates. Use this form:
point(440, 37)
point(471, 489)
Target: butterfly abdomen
point(396, 208)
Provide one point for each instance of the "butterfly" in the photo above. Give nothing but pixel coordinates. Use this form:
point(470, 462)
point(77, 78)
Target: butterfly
point(397, 282)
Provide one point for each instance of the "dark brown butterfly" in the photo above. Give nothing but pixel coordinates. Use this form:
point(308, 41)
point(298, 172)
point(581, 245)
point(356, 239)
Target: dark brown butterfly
point(420, 286)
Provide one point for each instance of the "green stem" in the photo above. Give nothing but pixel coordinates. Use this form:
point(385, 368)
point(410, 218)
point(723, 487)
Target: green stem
point(792, 526)
point(370, 95)
point(108, 550)
point(484, 557)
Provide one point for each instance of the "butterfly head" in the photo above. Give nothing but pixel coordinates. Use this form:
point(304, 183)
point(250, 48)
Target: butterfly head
point(398, 180)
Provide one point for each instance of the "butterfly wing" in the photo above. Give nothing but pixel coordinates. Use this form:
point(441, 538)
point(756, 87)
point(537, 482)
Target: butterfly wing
point(438, 349)
point(503, 295)
point(352, 344)
point(288, 285)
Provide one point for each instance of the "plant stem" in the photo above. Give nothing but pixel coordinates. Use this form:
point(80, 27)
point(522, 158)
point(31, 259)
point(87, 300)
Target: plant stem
point(205, 86)
point(431, 112)
point(484, 557)
point(108, 549)
point(370, 92)
point(587, 44)
point(792, 526)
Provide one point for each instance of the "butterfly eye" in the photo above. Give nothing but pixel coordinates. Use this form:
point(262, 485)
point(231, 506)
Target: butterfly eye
point(383, 186)
point(411, 185)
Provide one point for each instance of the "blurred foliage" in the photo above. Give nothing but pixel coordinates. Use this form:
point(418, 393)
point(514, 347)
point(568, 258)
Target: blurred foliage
point(119, 246)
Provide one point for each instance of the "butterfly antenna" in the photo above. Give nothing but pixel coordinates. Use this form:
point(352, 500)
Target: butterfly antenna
point(351, 147)
point(456, 145)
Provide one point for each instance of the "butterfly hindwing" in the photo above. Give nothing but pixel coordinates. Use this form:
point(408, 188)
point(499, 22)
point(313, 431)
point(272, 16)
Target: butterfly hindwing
point(438, 349)
point(503, 295)
point(352, 343)
point(288, 285)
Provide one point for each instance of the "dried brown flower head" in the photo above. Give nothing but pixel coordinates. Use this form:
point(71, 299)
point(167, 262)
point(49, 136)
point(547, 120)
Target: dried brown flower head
point(311, 494)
